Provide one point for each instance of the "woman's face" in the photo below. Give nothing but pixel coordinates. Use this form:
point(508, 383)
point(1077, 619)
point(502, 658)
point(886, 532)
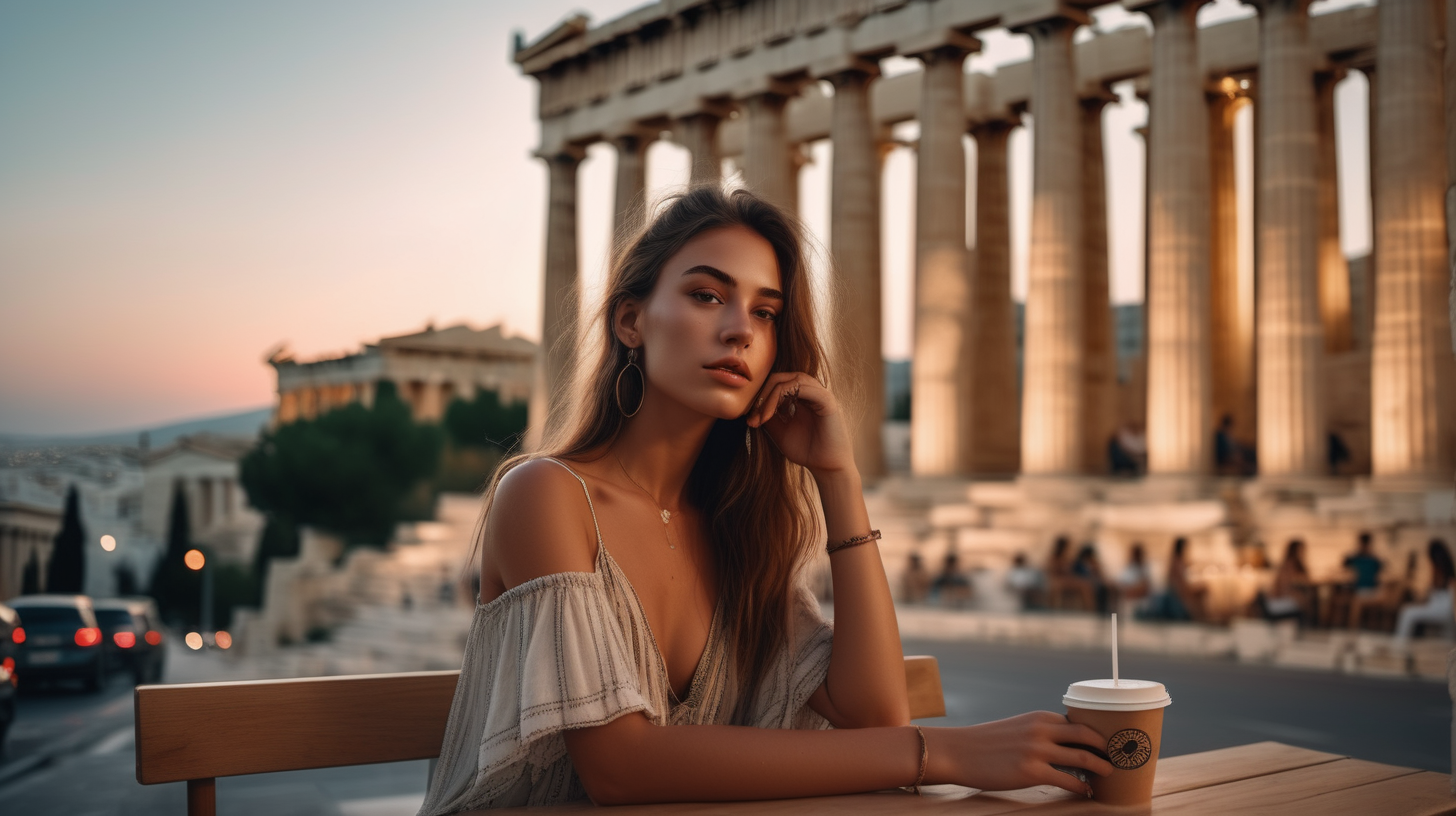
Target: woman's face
point(707, 330)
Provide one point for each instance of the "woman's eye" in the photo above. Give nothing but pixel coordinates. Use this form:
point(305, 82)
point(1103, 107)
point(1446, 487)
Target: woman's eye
point(705, 297)
point(767, 314)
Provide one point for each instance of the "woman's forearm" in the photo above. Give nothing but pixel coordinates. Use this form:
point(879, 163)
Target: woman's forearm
point(866, 681)
point(630, 760)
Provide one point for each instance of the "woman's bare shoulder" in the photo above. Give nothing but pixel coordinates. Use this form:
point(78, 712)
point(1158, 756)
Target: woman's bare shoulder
point(539, 524)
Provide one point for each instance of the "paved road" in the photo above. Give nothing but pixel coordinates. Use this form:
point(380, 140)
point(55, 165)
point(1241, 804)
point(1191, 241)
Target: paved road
point(1216, 704)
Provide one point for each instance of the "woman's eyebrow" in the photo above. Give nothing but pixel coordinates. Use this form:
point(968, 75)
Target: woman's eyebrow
point(729, 280)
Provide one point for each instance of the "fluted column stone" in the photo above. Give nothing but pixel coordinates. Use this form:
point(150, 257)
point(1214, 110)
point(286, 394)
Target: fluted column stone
point(940, 421)
point(854, 235)
point(1292, 435)
point(995, 412)
point(1052, 403)
point(630, 192)
point(1334, 270)
point(1099, 372)
point(769, 168)
point(1230, 331)
point(560, 290)
point(698, 133)
point(1179, 345)
point(1409, 362)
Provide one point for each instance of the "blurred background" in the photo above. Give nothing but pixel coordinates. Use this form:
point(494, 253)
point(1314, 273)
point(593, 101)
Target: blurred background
point(271, 312)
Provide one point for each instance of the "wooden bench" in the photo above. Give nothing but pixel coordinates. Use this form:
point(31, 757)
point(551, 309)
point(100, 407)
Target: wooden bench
point(196, 732)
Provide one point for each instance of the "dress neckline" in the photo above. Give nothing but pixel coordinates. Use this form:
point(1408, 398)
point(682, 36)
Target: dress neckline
point(604, 558)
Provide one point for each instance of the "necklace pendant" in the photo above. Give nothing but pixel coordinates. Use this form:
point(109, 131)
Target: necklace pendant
point(666, 516)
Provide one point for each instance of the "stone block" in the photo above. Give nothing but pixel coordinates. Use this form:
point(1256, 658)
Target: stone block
point(1384, 665)
point(1304, 654)
point(1255, 641)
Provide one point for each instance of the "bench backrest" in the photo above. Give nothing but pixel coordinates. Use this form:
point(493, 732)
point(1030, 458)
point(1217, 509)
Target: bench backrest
point(199, 731)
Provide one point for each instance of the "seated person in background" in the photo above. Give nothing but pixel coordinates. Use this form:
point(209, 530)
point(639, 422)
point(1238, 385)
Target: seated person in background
point(1119, 459)
point(1025, 582)
point(952, 586)
point(1061, 581)
point(1183, 598)
point(915, 581)
point(1134, 583)
point(1364, 588)
point(1287, 598)
point(1436, 610)
point(1088, 571)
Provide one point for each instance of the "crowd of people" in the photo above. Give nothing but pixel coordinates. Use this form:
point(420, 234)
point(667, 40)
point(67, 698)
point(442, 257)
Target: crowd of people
point(1367, 594)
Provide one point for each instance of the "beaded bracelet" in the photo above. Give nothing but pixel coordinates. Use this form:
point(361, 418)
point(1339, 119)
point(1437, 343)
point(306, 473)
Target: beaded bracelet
point(924, 756)
point(873, 535)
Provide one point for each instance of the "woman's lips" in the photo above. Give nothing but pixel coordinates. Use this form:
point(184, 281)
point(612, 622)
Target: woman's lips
point(727, 376)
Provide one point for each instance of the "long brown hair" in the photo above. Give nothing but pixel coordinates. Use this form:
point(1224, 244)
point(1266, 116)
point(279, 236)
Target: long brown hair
point(759, 507)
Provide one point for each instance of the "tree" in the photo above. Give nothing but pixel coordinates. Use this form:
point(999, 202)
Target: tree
point(67, 569)
point(30, 578)
point(126, 579)
point(485, 422)
point(348, 471)
point(177, 589)
point(279, 540)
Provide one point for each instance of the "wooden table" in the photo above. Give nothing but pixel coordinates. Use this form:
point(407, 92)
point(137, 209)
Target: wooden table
point(1263, 778)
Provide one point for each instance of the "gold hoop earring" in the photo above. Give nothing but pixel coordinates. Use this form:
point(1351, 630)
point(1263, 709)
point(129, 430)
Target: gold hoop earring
point(631, 363)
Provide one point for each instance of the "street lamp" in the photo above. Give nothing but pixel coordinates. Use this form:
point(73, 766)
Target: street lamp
point(195, 561)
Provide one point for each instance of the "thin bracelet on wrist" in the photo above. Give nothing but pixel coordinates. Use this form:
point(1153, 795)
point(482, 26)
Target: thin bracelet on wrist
point(924, 758)
point(872, 535)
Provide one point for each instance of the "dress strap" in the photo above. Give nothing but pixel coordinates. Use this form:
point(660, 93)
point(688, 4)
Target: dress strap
point(589, 505)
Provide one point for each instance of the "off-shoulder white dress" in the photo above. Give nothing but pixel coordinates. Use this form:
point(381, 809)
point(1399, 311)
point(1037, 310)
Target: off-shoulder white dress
point(572, 650)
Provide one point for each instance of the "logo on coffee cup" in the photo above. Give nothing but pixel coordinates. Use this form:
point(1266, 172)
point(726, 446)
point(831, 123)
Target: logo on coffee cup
point(1129, 749)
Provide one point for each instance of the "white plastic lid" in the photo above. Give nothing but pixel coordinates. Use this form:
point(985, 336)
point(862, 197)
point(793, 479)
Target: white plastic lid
point(1124, 695)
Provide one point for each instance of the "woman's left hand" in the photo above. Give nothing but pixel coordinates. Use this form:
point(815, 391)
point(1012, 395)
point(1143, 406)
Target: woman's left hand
point(803, 419)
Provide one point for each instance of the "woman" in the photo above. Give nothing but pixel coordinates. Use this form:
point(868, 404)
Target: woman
point(1184, 597)
point(639, 602)
point(1436, 610)
point(1291, 586)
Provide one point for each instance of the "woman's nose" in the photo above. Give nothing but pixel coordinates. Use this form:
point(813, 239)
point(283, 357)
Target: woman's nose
point(737, 327)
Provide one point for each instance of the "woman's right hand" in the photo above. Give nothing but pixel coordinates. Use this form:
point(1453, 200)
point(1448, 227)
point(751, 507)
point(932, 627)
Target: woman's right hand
point(1017, 752)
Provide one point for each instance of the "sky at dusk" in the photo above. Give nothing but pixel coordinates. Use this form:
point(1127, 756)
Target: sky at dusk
point(184, 186)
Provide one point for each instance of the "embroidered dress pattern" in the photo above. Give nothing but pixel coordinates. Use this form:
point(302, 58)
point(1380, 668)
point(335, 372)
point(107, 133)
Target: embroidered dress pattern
point(573, 650)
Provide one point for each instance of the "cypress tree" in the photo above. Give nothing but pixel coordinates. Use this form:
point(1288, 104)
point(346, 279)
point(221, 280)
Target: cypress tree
point(30, 578)
point(67, 569)
point(177, 589)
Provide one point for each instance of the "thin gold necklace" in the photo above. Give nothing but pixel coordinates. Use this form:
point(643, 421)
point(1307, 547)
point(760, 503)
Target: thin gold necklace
point(666, 514)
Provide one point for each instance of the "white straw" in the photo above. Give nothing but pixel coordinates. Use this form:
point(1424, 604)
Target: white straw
point(1114, 648)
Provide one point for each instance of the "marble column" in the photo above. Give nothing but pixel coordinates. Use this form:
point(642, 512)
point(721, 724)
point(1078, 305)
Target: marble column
point(995, 412)
point(560, 290)
point(1230, 331)
point(698, 133)
point(1292, 434)
point(1052, 403)
point(1334, 270)
point(769, 168)
point(631, 188)
point(940, 412)
point(1099, 372)
point(854, 235)
point(1179, 347)
point(1410, 357)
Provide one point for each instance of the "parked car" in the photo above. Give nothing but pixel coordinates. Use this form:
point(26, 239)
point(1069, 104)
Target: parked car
point(58, 639)
point(131, 633)
point(9, 622)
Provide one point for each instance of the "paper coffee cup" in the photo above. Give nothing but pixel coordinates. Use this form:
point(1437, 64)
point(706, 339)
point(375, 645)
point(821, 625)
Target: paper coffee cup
point(1129, 716)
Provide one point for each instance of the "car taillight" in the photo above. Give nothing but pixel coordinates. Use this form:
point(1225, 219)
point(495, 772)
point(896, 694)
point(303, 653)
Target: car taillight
point(154, 638)
point(125, 640)
point(8, 664)
point(88, 636)
point(18, 635)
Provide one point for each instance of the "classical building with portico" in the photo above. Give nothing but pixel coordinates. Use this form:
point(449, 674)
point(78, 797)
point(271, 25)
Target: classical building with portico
point(1291, 352)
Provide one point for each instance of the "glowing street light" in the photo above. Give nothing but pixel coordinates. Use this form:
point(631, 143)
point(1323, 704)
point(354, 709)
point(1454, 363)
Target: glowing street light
point(194, 641)
point(108, 543)
point(195, 560)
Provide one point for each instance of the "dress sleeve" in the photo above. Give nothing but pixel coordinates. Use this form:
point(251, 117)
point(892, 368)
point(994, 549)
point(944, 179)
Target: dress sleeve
point(545, 657)
point(783, 701)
